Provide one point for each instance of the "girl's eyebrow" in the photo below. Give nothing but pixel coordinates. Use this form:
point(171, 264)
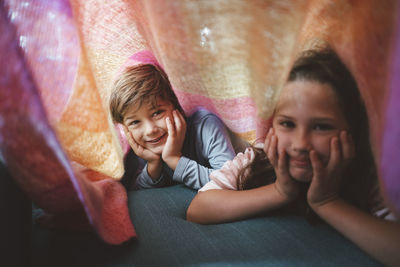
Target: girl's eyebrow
point(285, 116)
point(316, 119)
point(323, 119)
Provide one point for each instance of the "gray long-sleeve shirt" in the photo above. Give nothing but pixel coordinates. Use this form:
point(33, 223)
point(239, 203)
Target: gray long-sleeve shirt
point(207, 147)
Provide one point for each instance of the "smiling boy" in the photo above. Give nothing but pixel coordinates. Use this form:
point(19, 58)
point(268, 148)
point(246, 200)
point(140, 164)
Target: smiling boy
point(175, 148)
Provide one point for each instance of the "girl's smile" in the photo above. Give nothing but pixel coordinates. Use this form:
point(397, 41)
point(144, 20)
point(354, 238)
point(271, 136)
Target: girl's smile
point(300, 162)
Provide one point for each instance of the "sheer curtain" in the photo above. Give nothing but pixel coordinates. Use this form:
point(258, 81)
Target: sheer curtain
point(59, 59)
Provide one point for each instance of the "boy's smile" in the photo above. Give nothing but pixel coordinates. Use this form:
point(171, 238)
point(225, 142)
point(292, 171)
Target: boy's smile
point(147, 124)
point(157, 140)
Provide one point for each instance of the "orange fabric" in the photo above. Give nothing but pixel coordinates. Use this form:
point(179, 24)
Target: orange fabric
point(230, 56)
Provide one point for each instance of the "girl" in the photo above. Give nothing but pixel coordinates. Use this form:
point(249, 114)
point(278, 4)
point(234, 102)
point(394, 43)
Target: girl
point(316, 158)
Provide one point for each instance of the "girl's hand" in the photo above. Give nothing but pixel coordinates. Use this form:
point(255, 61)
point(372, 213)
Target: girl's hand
point(176, 136)
point(141, 151)
point(326, 179)
point(287, 187)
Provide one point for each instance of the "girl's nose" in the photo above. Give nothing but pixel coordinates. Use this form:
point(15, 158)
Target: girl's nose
point(301, 141)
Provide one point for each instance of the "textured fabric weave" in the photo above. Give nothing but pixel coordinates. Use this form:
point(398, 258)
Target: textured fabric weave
point(60, 58)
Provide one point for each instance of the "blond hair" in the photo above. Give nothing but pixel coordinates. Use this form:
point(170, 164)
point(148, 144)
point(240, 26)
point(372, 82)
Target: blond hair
point(137, 85)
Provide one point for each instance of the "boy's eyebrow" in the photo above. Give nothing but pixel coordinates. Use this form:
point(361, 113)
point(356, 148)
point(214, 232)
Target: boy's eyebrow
point(129, 117)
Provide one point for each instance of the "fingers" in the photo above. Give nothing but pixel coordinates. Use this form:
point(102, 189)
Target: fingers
point(179, 120)
point(282, 161)
point(138, 149)
point(271, 147)
point(272, 151)
point(342, 150)
point(335, 153)
point(129, 136)
point(348, 148)
point(316, 164)
point(126, 131)
point(170, 127)
point(180, 124)
point(268, 140)
point(177, 126)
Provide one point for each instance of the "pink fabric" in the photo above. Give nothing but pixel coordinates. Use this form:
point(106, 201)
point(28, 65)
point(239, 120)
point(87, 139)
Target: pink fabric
point(32, 153)
point(54, 88)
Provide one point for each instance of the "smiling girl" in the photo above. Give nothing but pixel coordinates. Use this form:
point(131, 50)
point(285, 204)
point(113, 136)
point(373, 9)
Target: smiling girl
point(174, 148)
point(316, 158)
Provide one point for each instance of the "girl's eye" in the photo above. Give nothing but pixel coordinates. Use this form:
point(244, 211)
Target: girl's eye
point(323, 127)
point(287, 124)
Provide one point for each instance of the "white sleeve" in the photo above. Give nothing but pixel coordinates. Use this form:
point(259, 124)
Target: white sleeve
point(227, 177)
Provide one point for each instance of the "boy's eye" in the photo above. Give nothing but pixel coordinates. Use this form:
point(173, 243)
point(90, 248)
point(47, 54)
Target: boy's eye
point(287, 124)
point(323, 127)
point(133, 123)
point(158, 112)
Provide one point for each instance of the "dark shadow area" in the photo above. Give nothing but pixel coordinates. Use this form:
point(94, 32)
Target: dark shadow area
point(16, 222)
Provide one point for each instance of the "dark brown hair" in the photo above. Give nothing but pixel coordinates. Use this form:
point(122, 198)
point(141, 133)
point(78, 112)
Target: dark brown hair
point(137, 85)
point(360, 178)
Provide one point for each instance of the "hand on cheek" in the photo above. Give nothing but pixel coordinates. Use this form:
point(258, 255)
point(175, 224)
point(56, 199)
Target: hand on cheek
point(176, 125)
point(139, 150)
point(327, 178)
point(287, 187)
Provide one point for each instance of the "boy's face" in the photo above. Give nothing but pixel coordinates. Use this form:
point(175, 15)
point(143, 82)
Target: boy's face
point(147, 124)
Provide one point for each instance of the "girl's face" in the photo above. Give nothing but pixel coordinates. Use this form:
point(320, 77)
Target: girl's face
point(307, 116)
point(147, 124)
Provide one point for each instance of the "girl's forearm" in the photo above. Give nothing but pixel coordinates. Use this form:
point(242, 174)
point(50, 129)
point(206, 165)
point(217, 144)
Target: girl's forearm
point(379, 238)
point(219, 205)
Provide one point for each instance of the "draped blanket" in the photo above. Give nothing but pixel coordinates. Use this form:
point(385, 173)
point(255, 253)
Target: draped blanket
point(59, 59)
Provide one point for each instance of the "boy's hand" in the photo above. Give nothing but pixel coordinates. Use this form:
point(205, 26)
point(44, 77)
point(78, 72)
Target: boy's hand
point(286, 186)
point(141, 151)
point(176, 136)
point(326, 179)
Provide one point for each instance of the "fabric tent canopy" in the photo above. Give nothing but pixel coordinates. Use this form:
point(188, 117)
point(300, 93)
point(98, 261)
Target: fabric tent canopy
point(59, 59)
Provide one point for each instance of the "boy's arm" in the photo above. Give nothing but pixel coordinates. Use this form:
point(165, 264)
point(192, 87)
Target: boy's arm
point(221, 205)
point(379, 238)
point(215, 146)
point(144, 180)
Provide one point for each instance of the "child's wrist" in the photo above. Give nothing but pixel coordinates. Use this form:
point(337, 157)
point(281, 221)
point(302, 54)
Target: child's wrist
point(320, 205)
point(172, 161)
point(285, 198)
point(154, 162)
point(154, 169)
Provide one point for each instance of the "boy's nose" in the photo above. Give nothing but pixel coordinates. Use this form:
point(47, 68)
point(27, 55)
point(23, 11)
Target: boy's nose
point(151, 128)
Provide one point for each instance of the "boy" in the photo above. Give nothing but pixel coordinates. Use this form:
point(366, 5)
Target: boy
point(175, 148)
